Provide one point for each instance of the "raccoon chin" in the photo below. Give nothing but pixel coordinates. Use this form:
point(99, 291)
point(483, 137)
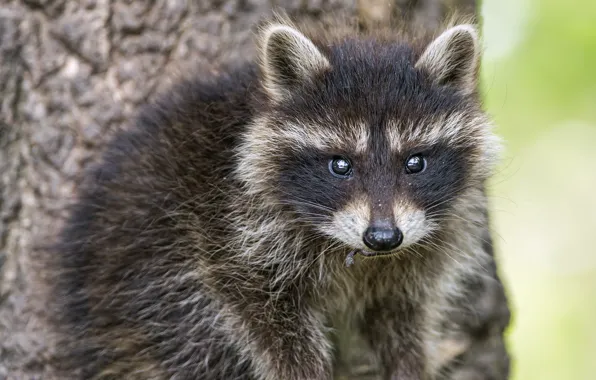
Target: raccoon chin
point(368, 254)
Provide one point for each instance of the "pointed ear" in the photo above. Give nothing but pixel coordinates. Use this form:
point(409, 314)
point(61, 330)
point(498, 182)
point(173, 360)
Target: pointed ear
point(453, 58)
point(288, 58)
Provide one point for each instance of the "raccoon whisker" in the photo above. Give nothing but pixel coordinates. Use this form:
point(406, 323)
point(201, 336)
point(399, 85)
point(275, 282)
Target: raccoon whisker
point(502, 197)
point(330, 247)
point(444, 200)
point(470, 256)
point(441, 201)
point(312, 238)
point(413, 250)
point(443, 250)
point(448, 214)
point(308, 203)
point(309, 221)
point(315, 216)
point(304, 202)
point(457, 218)
point(447, 247)
point(491, 229)
point(450, 196)
point(334, 245)
point(304, 268)
point(460, 251)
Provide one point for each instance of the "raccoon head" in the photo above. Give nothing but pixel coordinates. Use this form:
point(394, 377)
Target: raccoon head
point(369, 142)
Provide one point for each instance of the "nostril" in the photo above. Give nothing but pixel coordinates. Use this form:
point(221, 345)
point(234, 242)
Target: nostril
point(382, 238)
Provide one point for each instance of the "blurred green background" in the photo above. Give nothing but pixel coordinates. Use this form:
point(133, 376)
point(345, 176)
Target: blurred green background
point(539, 81)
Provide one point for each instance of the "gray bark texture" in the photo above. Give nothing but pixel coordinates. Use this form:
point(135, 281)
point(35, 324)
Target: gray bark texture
point(72, 71)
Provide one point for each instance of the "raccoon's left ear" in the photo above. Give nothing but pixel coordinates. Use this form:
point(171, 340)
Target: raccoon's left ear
point(288, 58)
point(453, 58)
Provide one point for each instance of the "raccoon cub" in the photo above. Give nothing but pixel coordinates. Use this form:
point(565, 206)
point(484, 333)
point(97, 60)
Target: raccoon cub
point(211, 241)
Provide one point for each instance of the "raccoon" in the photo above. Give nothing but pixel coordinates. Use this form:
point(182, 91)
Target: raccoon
point(317, 213)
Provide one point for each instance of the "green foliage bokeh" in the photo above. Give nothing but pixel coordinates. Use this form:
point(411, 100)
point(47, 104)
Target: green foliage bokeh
point(539, 83)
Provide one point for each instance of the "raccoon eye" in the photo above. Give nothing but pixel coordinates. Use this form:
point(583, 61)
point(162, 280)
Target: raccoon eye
point(415, 164)
point(340, 167)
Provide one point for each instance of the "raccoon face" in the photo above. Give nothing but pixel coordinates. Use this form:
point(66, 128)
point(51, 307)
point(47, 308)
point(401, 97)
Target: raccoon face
point(369, 143)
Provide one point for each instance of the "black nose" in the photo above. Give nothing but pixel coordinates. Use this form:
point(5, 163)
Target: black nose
point(382, 238)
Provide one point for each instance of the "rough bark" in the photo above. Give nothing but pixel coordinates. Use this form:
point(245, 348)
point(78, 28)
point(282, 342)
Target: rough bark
point(72, 71)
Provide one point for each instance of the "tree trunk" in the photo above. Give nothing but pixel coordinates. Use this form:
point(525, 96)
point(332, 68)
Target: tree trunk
point(73, 71)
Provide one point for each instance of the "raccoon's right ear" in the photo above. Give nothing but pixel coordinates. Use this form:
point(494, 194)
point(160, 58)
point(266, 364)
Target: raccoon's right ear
point(288, 58)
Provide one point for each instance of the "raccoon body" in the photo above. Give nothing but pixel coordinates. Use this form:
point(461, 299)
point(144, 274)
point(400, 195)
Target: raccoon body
point(210, 242)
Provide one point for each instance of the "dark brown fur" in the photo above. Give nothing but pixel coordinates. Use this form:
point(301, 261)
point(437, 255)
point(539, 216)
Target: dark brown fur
point(172, 266)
